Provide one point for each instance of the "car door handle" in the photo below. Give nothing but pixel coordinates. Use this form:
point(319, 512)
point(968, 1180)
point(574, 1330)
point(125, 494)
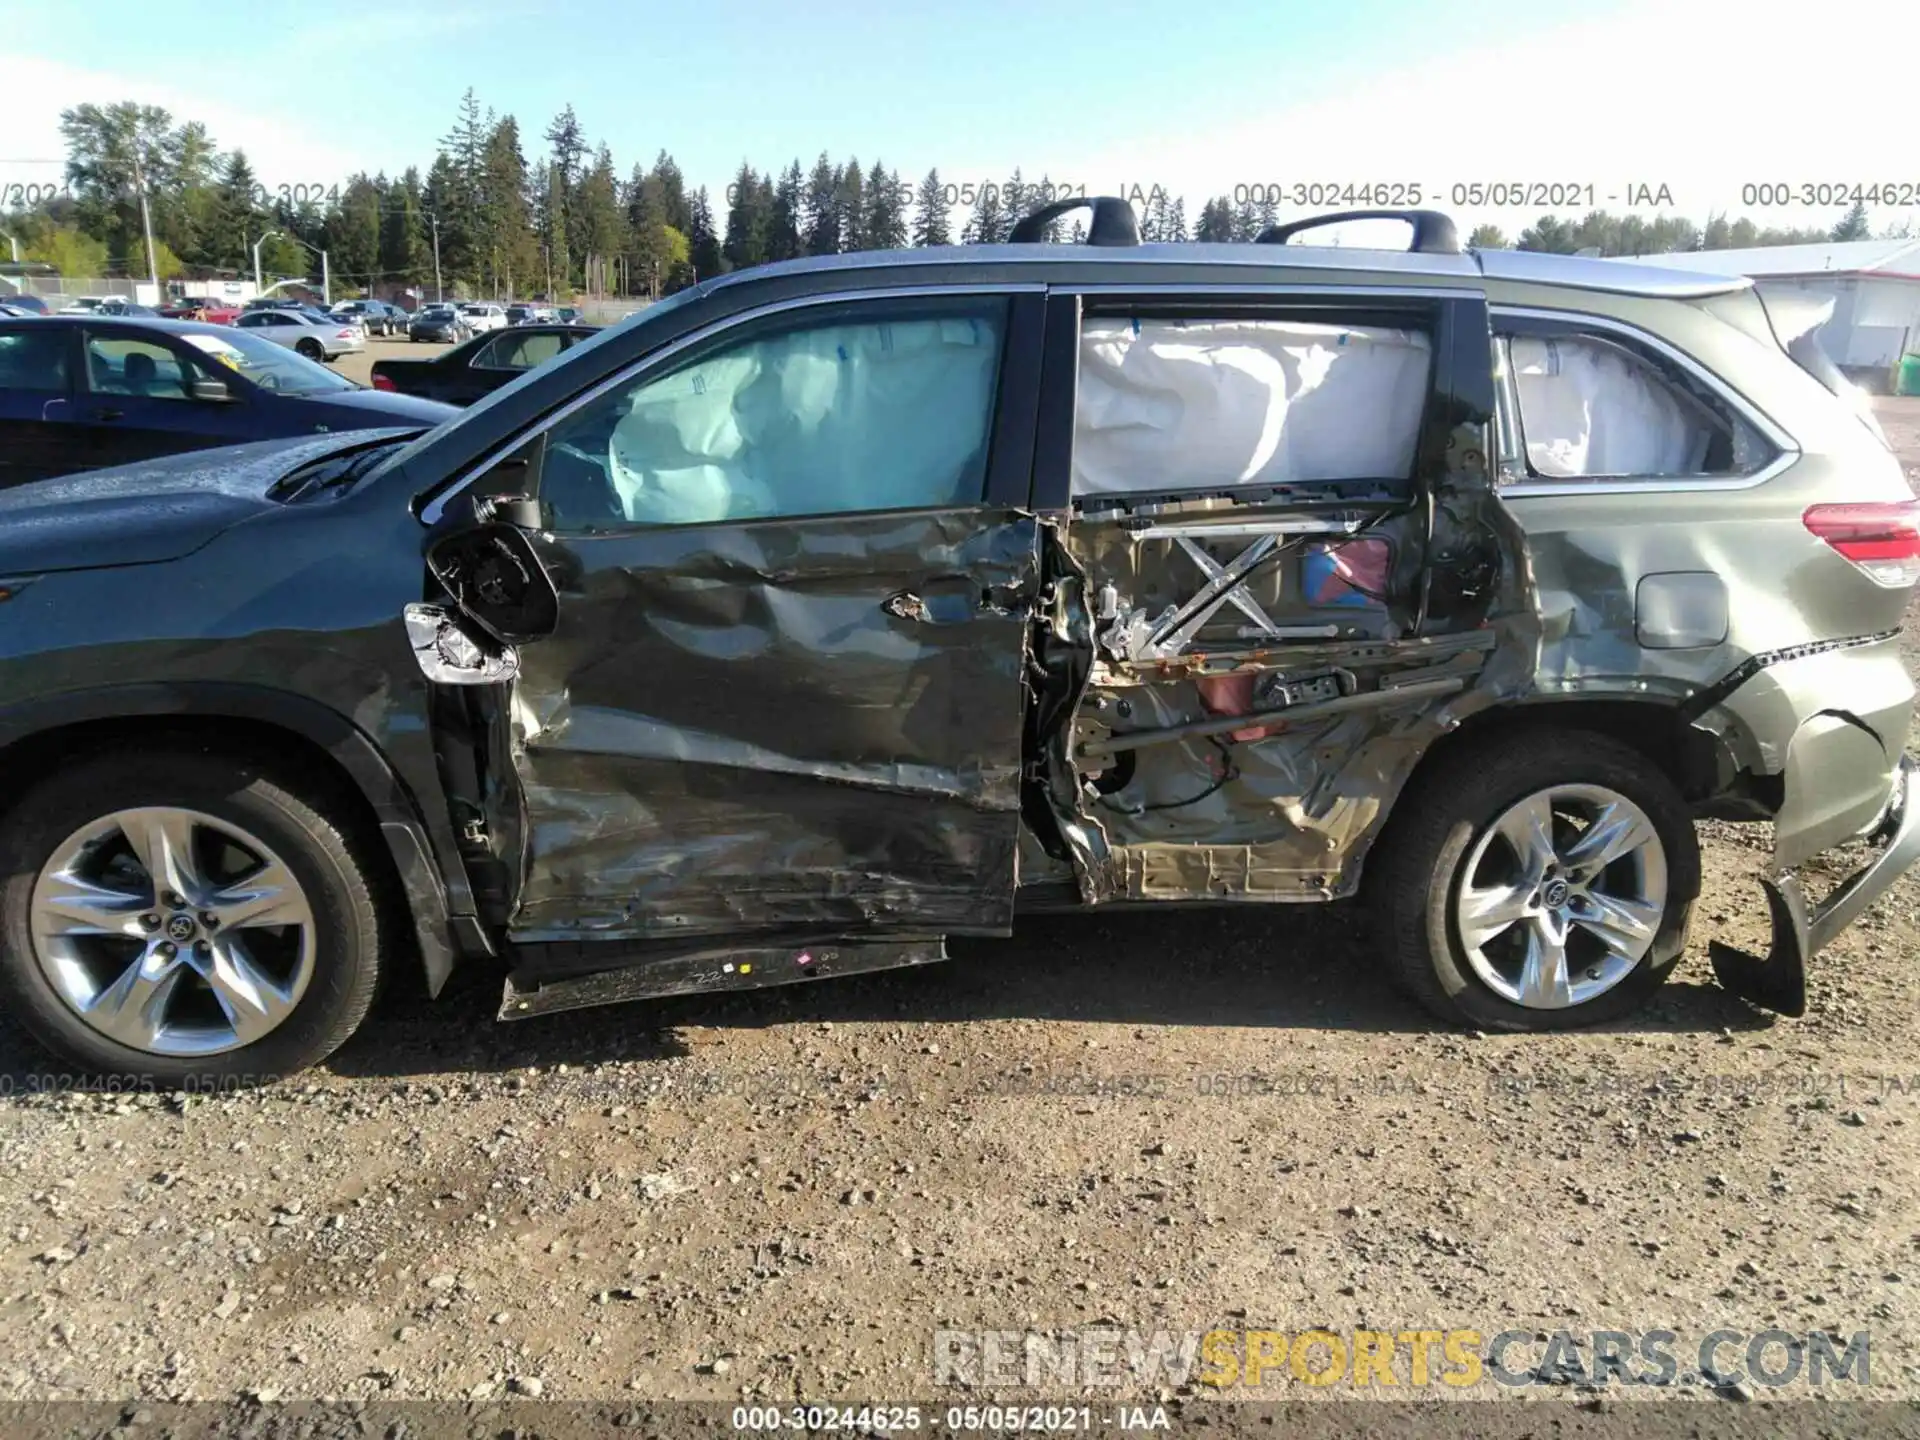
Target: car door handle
point(108, 414)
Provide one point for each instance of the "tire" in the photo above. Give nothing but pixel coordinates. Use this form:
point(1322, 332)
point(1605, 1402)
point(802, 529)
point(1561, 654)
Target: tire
point(311, 349)
point(1446, 856)
point(314, 977)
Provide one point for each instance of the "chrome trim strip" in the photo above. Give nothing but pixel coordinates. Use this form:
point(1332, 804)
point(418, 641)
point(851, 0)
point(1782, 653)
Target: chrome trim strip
point(436, 507)
point(1788, 447)
point(1282, 290)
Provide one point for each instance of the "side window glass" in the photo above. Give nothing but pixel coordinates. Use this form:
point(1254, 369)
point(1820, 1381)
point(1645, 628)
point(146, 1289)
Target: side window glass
point(816, 417)
point(137, 368)
point(1588, 407)
point(1169, 405)
point(34, 360)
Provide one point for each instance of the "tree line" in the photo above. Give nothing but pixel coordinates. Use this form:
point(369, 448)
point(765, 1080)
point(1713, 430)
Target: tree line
point(485, 220)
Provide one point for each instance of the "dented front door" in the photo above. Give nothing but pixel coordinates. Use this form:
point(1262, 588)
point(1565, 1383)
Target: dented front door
point(781, 720)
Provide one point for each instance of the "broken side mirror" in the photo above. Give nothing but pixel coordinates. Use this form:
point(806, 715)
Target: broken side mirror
point(493, 574)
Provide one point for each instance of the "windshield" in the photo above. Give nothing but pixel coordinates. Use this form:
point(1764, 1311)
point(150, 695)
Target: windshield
point(270, 366)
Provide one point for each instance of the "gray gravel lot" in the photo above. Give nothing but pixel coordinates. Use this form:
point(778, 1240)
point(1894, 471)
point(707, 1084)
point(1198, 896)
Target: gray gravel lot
point(1169, 1121)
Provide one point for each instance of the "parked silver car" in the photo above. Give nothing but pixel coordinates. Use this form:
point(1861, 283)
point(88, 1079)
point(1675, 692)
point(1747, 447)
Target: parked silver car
point(306, 332)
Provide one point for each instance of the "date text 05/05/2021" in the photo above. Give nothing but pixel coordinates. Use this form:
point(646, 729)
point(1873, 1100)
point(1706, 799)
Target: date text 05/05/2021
point(990, 1419)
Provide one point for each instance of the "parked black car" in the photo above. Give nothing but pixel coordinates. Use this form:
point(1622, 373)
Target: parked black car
point(378, 316)
point(481, 365)
point(82, 392)
point(443, 324)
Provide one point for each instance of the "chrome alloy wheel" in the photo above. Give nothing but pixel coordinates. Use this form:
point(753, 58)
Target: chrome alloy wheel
point(1562, 897)
point(172, 932)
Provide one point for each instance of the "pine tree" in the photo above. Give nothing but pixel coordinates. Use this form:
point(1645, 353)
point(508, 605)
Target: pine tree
point(405, 255)
point(237, 221)
point(783, 227)
point(819, 209)
point(933, 215)
point(747, 221)
point(886, 223)
point(850, 205)
point(986, 225)
point(703, 243)
point(1854, 225)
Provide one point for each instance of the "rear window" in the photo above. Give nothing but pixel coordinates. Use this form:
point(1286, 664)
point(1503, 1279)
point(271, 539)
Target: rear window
point(34, 359)
point(1585, 405)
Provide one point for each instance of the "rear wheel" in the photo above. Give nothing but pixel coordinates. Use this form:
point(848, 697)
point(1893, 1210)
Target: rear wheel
point(311, 349)
point(1538, 883)
point(179, 918)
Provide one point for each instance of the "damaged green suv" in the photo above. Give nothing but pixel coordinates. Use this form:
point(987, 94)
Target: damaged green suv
point(833, 608)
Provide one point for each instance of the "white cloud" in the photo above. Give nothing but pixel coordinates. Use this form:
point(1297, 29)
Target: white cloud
point(1702, 97)
point(286, 150)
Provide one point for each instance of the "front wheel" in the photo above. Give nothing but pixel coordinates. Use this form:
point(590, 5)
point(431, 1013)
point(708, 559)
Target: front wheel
point(1539, 882)
point(179, 918)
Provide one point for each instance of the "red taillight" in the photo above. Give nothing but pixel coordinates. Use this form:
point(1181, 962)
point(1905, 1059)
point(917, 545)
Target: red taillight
point(381, 382)
point(346, 332)
point(1881, 538)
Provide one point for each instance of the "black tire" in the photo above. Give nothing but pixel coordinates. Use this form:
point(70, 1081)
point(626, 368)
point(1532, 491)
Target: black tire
point(303, 830)
point(311, 349)
point(1413, 877)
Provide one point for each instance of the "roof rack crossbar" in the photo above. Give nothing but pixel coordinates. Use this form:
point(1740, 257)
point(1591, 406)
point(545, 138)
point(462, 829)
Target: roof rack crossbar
point(1433, 230)
point(1114, 222)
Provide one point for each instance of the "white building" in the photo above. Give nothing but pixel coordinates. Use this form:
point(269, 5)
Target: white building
point(1874, 285)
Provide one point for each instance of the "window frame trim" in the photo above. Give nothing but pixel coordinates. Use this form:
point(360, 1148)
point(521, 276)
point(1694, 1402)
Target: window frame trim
point(434, 511)
point(1572, 322)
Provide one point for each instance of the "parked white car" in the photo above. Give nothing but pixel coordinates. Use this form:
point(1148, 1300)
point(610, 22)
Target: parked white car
point(482, 315)
point(305, 331)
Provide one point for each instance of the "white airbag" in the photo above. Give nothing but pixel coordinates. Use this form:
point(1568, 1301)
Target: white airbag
point(1589, 409)
point(822, 421)
point(1178, 404)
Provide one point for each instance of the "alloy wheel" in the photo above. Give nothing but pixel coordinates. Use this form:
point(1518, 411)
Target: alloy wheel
point(1562, 896)
point(172, 932)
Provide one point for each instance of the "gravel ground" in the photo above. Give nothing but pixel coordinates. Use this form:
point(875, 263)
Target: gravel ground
point(784, 1194)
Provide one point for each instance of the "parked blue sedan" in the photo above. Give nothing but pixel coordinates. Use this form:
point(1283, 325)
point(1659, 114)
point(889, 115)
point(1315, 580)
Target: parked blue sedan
point(81, 392)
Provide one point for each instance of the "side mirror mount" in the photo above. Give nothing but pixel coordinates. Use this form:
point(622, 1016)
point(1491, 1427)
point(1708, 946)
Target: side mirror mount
point(215, 390)
point(492, 572)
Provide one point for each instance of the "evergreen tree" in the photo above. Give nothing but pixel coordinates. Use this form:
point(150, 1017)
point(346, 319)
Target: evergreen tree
point(886, 223)
point(406, 258)
point(1216, 221)
point(850, 205)
point(1853, 225)
point(1487, 237)
point(352, 234)
point(933, 216)
point(237, 218)
point(783, 230)
point(749, 218)
point(601, 223)
point(819, 210)
point(703, 243)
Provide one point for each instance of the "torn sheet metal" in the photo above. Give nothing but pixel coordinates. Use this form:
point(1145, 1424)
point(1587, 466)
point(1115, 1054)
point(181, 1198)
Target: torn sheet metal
point(1439, 602)
point(745, 726)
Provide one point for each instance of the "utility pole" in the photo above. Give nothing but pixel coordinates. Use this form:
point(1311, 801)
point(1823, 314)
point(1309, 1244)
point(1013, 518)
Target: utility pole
point(146, 220)
point(439, 291)
point(326, 282)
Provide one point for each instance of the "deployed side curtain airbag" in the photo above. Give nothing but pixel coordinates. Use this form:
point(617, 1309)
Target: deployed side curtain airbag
point(1589, 408)
point(1176, 404)
point(818, 421)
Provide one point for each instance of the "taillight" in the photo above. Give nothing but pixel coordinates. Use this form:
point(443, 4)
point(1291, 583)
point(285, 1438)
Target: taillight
point(346, 332)
point(381, 382)
point(1880, 538)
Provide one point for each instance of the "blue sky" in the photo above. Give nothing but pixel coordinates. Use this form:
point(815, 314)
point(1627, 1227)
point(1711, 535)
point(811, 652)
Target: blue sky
point(1694, 94)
